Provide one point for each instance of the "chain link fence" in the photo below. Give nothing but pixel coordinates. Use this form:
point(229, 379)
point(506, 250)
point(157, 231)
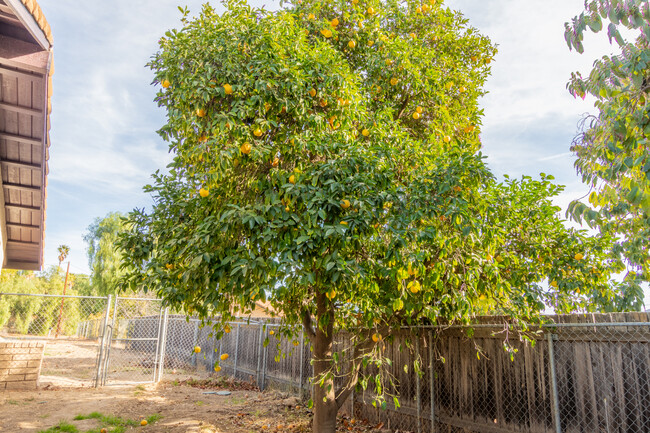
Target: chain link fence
point(133, 342)
point(71, 328)
point(580, 373)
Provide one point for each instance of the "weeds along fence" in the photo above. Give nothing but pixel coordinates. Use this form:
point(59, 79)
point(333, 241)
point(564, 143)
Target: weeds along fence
point(584, 373)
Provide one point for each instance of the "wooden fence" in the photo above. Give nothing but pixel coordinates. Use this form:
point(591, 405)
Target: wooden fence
point(583, 374)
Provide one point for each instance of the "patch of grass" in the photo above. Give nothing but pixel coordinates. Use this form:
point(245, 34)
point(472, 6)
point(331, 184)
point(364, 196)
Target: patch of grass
point(12, 402)
point(116, 424)
point(199, 403)
point(140, 388)
point(61, 427)
point(92, 415)
point(153, 418)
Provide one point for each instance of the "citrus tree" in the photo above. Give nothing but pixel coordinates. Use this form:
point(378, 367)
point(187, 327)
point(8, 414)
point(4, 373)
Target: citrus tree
point(327, 160)
point(612, 150)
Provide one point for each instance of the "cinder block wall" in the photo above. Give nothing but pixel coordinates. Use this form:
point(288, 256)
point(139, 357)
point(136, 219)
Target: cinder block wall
point(20, 364)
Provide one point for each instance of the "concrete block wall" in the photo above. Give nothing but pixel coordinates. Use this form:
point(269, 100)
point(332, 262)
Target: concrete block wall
point(20, 364)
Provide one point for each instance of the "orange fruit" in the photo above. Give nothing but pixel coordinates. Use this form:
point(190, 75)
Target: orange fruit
point(165, 83)
point(312, 92)
point(334, 22)
point(371, 43)
point(226, 329)
point(371, 11)
point(365, 132)
point(245, 148)
point(311, 16)
point(376, 337)
point(295, 343)
point(224, 356)
point(345, 204)
point(203, 139)
point(462, 89)
point(419, 109)
point(217, 368)
point(469, 129)
point(271, 332)
point(414, 287)
point(578, 256)
point(553, 283)
point(203, 192)
point(323, 103)
point(393, 81)
point(143, 422)
point(352, 44)
point(327, 33)
point(413, 36)
point(388, 62)
point(292, 179)
point(426, 8)
point(227, 88)
point(345, 223)
point(416, 115)
point(169, 266)
point(331, 294)
point(446, 139)
point(197, 349)
point(276, 162)
point(257, 132)
point(418, 10)
point(200, 112)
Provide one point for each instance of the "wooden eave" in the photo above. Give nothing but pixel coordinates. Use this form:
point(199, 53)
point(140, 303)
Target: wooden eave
point(25, 91)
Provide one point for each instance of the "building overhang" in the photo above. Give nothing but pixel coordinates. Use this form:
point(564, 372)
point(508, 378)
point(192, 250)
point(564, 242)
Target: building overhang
point(26, 88)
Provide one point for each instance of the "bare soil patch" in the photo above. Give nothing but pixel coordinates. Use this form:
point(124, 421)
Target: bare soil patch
point(188, 406)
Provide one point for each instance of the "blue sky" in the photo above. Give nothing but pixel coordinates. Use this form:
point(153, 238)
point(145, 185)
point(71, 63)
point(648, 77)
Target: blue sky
point(104, 144)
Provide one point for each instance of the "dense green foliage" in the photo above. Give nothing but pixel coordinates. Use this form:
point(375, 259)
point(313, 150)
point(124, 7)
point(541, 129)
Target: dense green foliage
point(39, 315)
point(327, 159)
point(612, 151)
point(104, 257)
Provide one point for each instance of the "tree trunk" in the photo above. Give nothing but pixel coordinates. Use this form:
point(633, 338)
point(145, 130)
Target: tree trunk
point(324, 397)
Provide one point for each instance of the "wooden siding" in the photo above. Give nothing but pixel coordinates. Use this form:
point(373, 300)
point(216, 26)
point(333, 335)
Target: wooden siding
point(24, 138)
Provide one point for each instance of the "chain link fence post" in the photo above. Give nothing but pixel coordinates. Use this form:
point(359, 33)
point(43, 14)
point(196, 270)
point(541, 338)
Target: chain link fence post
point(162, 342)
point(432, 388)
point(418, 391)
point(555, 407)
point(102, 341)
point(234, 372)
point(302, 360)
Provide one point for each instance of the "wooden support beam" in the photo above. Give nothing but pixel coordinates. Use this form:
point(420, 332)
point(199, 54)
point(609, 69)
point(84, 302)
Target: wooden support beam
point(22, 207)
point(20, 109)
point(8, 67)
point(20, 164)
point(23, 226)
point(21, 138)
point(22, 265)
point(16, 242)
point(19, 187)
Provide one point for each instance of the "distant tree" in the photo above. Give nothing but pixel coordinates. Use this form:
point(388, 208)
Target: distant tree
point(613, 150)
point(104, 258)
point(63, 251)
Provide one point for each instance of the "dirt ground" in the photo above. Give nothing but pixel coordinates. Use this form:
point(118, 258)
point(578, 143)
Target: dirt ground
point(183, 406)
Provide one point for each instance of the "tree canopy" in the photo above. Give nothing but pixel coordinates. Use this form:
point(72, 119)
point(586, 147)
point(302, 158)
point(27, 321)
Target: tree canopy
point(104, 256)
point(612, 149)
point(327, 159)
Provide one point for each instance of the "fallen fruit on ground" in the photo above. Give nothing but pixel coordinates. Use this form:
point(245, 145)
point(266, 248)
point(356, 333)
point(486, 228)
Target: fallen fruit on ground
point(143, 422)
